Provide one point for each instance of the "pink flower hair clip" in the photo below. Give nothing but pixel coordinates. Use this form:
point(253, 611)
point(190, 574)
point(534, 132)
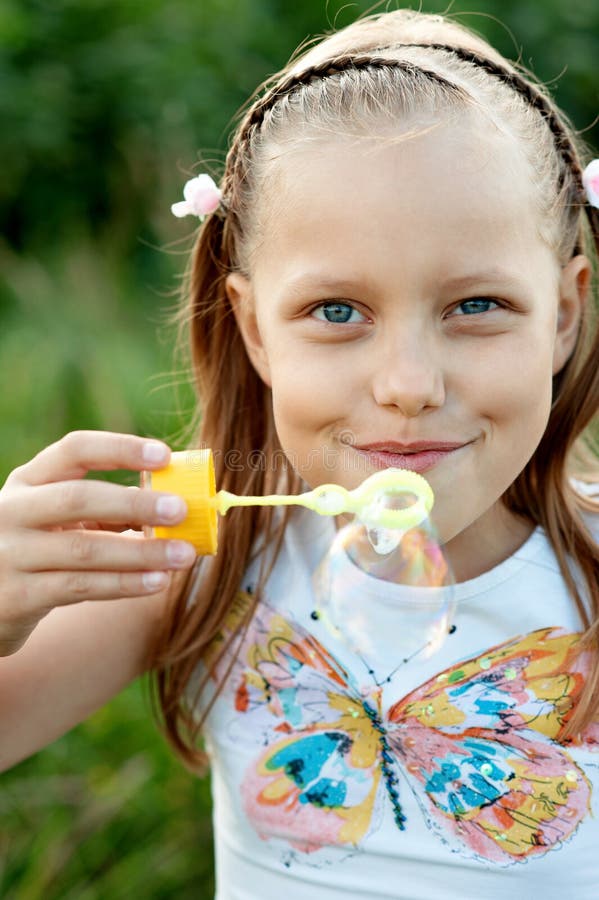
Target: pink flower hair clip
point(202, 197)
point(590, 181)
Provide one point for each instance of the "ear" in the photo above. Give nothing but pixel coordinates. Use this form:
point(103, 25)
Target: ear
point(573, 291)
point(241, 297)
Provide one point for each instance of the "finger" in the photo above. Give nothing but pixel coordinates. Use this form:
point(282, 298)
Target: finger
point(105, 526)
point(80, 452)
point(100, 551)
point(101, 526)
point(91, 525)
point(65, 588)
point(112, 526)
point(99, 501)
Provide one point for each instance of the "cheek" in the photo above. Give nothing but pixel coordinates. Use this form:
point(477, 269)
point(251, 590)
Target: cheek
point(313, 404)
point(310, 391)
point(512, 383)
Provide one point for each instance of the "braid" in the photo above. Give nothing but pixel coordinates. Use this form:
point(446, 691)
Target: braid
point(548, 111)
point(328, 68)
point(325, 69)
point(534, 97)
point(331, 67)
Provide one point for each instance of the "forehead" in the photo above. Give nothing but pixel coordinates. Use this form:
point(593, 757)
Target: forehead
point(460, 186)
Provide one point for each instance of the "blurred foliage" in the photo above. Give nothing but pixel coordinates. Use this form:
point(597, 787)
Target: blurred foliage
point(99, 99)
point(105, 108)
point(106, 814)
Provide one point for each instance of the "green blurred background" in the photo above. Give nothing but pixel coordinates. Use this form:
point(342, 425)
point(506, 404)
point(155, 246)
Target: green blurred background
point(105, 110)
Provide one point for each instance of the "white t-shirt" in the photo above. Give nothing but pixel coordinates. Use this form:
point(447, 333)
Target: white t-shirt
point(396, 774)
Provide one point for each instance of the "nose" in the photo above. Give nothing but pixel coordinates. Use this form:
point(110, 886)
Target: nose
point(408, 374)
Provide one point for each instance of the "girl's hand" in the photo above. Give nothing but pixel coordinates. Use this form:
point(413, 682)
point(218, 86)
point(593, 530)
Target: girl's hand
point(59, 534)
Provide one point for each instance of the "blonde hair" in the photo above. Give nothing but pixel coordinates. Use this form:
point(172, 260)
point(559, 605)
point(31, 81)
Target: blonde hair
point(376, 72)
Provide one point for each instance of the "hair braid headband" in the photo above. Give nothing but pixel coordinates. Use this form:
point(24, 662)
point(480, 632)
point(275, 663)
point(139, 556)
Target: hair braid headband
point(291, 82)
point(202, 196)
point(327, 69)
point(587, 181)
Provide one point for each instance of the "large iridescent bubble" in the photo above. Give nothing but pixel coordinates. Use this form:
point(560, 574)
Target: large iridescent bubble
point(393, 579)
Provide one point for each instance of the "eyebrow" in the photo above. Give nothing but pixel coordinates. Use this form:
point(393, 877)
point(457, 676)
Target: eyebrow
point(492, 275)
point(318, 280)
point(322, 281)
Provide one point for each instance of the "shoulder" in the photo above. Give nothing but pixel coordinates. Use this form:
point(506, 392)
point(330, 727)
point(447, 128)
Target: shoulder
point(586, 488)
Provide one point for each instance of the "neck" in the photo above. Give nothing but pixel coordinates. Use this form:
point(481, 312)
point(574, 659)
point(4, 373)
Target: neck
point(487, 542)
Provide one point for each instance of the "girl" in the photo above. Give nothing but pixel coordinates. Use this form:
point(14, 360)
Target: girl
point(397, 272)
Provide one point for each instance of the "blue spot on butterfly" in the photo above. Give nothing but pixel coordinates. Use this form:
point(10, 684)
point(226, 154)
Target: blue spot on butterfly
point(490, 770)
point(485, 750)
point(472, 799)
point(484, 705)
point(303, 760)
point(325, 793)
point(293, 664)
point(292, 710)
point(482, 785)
point(491, 707)
point(455, 806)
point(439, 780)
point(469, 782)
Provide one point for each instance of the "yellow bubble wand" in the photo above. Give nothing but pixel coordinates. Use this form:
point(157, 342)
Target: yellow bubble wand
point(190, 474)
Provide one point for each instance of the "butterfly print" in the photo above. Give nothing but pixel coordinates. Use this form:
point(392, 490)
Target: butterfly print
point(481, 745)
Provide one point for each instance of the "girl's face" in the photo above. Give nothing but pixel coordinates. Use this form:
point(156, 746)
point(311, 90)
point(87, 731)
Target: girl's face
point(405, 311)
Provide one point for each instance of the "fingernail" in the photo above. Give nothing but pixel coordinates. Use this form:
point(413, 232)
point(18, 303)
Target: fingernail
point(153, 580)
point(178, 552)
point(170, 507)
point(153, 452)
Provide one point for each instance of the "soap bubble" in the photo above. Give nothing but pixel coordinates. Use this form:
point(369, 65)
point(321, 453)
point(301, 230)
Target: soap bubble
point(376, 580)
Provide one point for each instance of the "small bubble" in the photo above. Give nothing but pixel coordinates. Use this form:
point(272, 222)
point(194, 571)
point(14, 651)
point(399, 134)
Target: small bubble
point(486, 769)
point(571, 775)
point(384, 540)
point(485, 662)
point(510, 673)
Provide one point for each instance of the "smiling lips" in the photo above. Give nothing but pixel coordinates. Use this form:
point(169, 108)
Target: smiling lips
point(419, 456)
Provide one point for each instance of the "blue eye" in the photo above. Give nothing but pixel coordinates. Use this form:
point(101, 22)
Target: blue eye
point(476, 305)
point(337, 313)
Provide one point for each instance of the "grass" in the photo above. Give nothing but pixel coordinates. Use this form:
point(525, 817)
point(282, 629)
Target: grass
point(83, 346)
point(106, 812)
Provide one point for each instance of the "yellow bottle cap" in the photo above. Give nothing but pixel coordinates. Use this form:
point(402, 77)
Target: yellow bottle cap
point(190, 474)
